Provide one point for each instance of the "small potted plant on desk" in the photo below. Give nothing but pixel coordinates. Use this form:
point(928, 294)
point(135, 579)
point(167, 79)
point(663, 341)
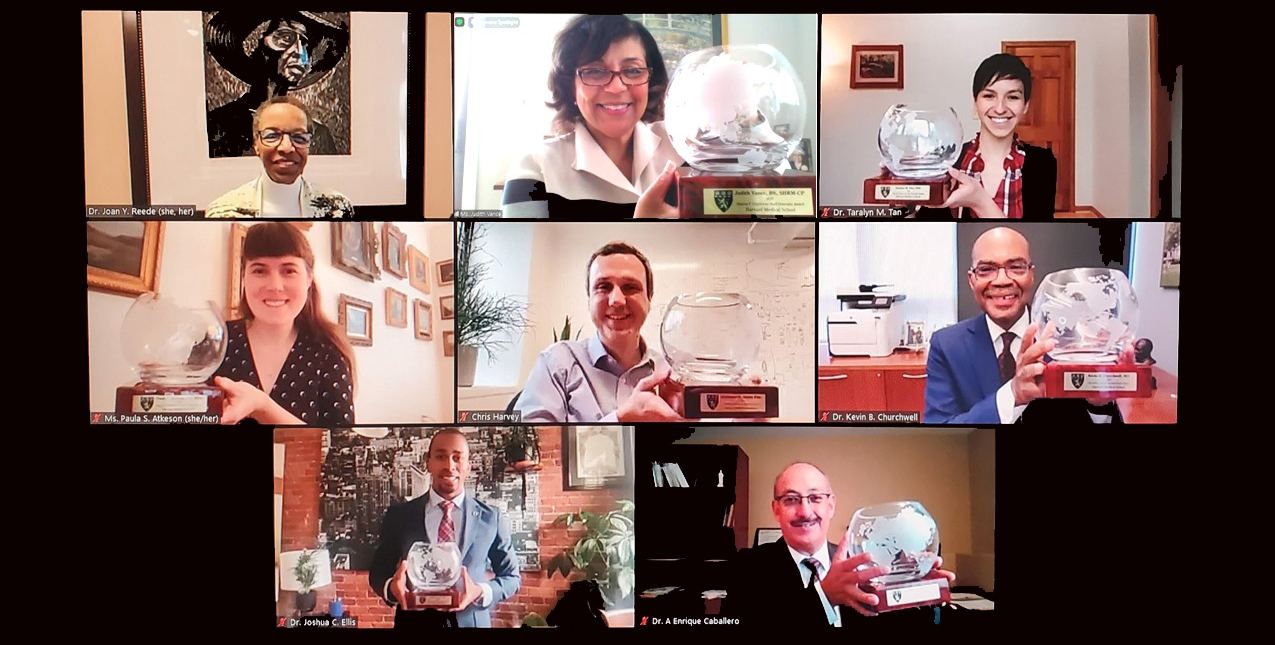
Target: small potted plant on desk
point(306, 572)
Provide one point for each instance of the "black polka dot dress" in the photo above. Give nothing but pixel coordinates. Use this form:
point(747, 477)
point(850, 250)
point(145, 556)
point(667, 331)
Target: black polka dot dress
point(314, 384)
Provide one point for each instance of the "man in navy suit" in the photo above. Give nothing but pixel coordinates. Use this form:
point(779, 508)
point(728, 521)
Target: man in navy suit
point(988, 368)
point(802, 580)
point(446, 514)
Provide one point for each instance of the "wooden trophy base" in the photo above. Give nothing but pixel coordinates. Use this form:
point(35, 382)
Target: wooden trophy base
point(1106, 381)
point(888, 189)
point(763, 194)
point(731, 401)
point(419, 599)
point(933, 589)
point(153, 398)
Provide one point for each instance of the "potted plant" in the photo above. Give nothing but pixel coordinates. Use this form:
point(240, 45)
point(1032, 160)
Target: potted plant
point(483, 320)
point(604, 553)
point(522, 448)
point(306, 571)
point(566, 332)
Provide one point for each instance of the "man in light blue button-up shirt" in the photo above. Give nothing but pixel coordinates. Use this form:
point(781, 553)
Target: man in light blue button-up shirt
point(612, 376)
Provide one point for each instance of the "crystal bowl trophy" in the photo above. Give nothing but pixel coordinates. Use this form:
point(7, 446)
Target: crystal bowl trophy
point(709, 340)
point(903, 539)
point(917, 147)
point(1095, 316)
point(735, 114)
point(174, 351)
point(434, 571)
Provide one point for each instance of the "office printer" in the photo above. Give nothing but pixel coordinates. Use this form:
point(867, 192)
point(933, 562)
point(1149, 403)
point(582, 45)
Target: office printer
point(867, 324)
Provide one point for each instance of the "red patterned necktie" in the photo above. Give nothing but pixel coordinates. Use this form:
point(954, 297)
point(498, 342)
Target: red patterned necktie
point(446, 530)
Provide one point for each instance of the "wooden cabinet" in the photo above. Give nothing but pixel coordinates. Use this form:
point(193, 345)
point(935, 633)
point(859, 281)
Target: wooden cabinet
point(894, 383)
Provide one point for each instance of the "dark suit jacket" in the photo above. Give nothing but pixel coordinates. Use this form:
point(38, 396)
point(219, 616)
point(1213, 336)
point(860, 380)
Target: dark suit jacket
point(766, 589)
point(485, 546)
point(962, 377)
point(1040, 182)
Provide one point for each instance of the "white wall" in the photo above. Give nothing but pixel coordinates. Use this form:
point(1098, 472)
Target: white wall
point(684, 258)
point(1157, 306)
point(940, 55)
point(502, 95)
point(400, 379)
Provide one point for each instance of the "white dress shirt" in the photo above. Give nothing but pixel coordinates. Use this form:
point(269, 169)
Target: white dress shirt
point(824, 563)
point(1005, 407)
point(574, 166)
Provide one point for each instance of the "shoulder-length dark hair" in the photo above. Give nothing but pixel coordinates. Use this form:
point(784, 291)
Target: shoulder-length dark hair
point(586, 39)
point(281, 239)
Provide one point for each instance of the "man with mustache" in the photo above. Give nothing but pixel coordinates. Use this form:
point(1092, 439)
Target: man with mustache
point(612, 376)
point(803, 579)
point(282, 138)
point(987, 369)
point(447, 514)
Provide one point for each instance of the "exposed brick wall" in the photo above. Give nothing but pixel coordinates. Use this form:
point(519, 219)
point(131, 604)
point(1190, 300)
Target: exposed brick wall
point(538, 593)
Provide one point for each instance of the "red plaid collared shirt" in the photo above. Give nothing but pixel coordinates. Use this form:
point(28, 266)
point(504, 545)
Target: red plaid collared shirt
point(1009, 195)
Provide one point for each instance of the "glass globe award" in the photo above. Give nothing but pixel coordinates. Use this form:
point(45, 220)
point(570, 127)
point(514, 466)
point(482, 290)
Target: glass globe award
point(1094, 313)
point(434, 571)
point(710, 340)
point(903, 539)
point(174, 350)
point(917, 147)
point(735, 114)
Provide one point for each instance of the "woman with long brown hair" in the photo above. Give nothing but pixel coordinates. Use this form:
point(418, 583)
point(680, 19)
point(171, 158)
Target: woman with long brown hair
point(285, 362)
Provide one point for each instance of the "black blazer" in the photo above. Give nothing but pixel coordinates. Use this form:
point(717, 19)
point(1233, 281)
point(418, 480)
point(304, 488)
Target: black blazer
point(765, 589)
point(1040, 182)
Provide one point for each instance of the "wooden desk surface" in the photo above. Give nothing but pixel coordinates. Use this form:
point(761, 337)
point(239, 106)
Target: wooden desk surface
point(1160, 407)
point(899, 359)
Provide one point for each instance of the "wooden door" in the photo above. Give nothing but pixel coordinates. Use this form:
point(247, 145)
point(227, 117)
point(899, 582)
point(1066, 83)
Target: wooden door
point(1051, 117)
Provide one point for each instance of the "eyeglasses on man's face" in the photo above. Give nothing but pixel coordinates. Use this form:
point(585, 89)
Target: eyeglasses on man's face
point(989, 270)
point(793, 500)
point(597, 76)
point(272, 138)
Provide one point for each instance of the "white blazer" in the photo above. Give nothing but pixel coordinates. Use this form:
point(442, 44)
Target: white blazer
point(575, 167)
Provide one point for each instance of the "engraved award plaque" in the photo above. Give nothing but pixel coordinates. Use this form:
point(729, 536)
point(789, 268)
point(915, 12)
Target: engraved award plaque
point(709, 340)
point(174, 350)
point(917, 147)
point(434, 571)
point(735, 114)
point(903, 539)
point(1095, 315)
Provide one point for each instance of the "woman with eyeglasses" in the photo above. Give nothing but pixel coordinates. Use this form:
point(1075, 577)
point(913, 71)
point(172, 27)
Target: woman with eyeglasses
point(286, 364)
point(608, 82)
point(281, 138)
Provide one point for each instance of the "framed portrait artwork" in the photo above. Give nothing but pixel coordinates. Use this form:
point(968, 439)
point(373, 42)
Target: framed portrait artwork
point(424, 320)
point(394, 250)
point(123, 257)
point(447, 307)
point(446, 273)
point(595, 457)
point(418, 267)
point(194, 78)
point(1171, 261)
point(354, 316)
point(354, 249)
point(395, 308)
point(678, 34)
point(876, 67)
point(449, 343)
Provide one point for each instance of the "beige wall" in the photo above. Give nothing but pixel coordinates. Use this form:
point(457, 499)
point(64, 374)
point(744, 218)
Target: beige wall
point(868, 466)
point(438, 115)
point(106, 179)
point(978, 567)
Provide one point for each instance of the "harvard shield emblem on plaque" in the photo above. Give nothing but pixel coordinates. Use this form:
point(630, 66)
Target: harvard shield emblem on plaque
point(885, 191)
point(712, 401)
point(146, 402)
point(723, 199)
point(1077, 379)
